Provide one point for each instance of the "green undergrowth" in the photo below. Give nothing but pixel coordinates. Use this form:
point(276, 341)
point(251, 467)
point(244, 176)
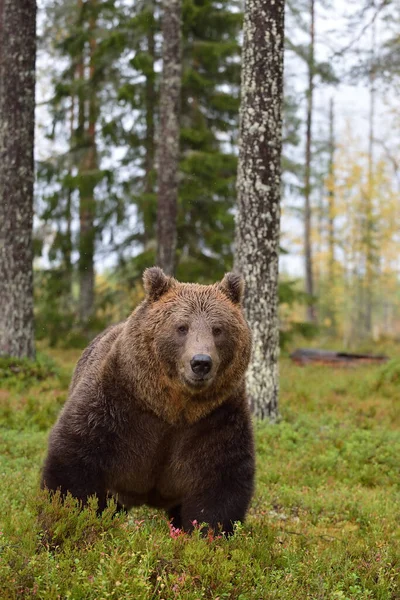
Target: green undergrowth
point(324, 522)
point(18, 373)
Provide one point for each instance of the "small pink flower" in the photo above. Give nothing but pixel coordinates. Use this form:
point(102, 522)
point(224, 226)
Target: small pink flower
point(174, 532)
point(138, 523)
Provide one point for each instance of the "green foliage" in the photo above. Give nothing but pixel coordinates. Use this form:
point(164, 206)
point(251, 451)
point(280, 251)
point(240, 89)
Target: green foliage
point(22, 381)
point(290, 295)
point(56, 312)
point(22, 372)
point(55, 308)
point(323, 522)
point(64, 524)
point(125, 82)
point(388, 377)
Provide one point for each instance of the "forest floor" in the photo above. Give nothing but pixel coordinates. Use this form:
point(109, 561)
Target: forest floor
point(324, 522)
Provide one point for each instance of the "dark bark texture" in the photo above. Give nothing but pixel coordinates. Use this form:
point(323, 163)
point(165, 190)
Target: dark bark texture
point(150, 92)
point(168, 151)
point(87, 179)
point(17, 117)
point(259, 189)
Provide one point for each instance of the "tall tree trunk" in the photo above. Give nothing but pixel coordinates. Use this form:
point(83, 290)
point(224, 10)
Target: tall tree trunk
point(68, 246)
point(331, 213)
point(259, 191)
point(87, 184)
point(17, 117)
point(150, 93)
point(369, 198)
point(311, 315)
point(168, 157)
point(150, 109)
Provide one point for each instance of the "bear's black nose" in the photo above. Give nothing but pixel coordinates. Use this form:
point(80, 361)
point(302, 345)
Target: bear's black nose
point(201, 364)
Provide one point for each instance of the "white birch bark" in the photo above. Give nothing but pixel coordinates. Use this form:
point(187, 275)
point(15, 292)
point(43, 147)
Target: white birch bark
point(259, 189)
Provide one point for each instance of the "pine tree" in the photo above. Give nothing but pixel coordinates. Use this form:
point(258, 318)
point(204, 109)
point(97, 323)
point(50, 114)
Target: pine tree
point(209, 117)
point(208, 137)
point(259, 188)
point(17, 116)
point(74, 188)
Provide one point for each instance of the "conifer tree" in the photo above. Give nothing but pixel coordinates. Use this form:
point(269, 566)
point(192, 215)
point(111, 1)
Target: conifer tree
point(208, 136)
point(74, 187)
point(209, 132)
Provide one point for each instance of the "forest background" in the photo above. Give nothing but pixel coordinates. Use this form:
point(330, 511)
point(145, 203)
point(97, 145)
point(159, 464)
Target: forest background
point(98, 80)
point(324, 520)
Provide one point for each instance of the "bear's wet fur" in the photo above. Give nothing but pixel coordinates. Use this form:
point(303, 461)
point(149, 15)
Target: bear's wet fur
point(157, 412)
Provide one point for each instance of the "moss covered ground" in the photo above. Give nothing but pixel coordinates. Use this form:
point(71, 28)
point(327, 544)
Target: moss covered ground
point(324, 522)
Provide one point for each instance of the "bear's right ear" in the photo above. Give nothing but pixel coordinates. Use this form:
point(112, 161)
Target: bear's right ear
point(232, 286)
point(156, 283)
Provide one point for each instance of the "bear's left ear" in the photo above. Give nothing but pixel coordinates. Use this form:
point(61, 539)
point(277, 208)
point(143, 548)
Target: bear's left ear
point(156, 283)
point(232, 286)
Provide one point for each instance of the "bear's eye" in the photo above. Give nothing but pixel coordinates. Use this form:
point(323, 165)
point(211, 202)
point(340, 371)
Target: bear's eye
point(183, 329)
point(217, 331)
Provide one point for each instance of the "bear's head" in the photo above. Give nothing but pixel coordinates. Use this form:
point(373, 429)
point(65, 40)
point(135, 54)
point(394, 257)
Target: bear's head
point(198, 333)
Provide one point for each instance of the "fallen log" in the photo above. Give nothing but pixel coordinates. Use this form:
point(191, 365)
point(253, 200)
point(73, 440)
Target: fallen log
point(304, 356)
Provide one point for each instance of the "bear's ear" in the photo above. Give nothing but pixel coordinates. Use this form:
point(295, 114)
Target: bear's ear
point(232, 286)
point(156, 283)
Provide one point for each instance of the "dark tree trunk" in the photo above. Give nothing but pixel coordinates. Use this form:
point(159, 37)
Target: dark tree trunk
point(17, 117)
point(168, 155)
point(311, 316)
point(150, 142)
point(87, 182)
point(259, 191)
point(68, 246)
point(150, 105)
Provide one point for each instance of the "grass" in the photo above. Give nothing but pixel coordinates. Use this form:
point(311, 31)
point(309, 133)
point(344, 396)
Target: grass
point(324, 523)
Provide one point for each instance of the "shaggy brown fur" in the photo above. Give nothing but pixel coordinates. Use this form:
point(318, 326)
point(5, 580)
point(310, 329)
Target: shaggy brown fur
point(147, 425)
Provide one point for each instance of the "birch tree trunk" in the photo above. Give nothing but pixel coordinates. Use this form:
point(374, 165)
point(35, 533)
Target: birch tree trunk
point(259, 190)
point(17, 117)
point(168, 152)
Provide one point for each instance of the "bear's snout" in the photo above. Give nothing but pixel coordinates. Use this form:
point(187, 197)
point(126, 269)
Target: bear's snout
point(201, 364)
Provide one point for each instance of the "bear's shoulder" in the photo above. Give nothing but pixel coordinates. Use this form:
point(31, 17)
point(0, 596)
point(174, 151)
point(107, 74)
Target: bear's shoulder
point(96, 352)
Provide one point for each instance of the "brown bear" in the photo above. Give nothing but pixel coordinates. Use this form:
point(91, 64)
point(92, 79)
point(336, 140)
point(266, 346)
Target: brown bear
point(157, 412)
